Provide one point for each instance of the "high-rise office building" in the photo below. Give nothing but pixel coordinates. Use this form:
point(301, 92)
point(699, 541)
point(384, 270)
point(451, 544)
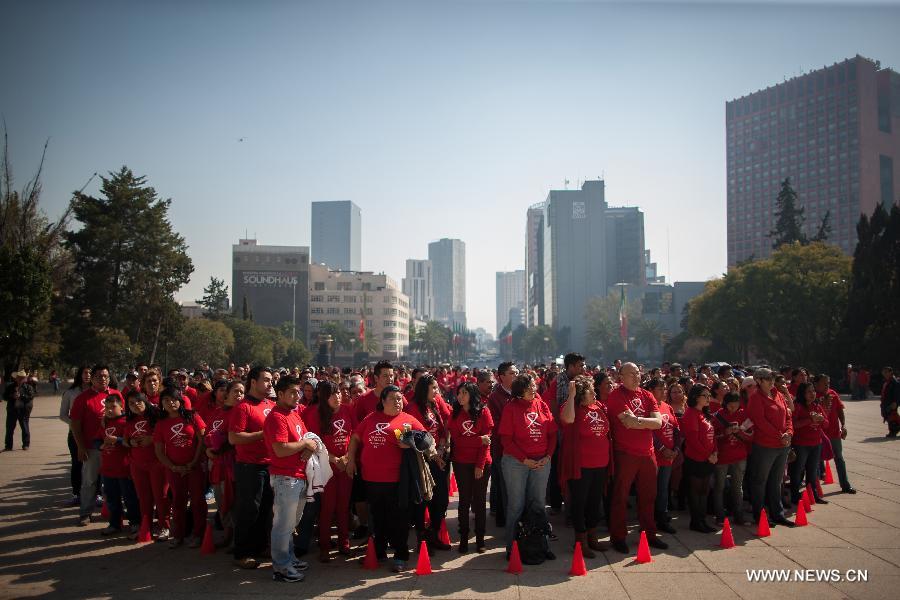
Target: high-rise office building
point(834, 131)
point(510, 295)
point(336, 235)
point(272, 281)
point(448, 277)
point(534, 266)
point(587, 247)
point(417, 285)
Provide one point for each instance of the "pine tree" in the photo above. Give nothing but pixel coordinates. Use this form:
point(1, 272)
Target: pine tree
point(824, 228)
point(789, 218)
point(245, 310)
point(215, 298)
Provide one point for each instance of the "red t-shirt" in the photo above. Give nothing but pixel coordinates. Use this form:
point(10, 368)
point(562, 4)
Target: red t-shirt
point(365, 405)
point(343, 422)
point(89, 407)
point(496, 402)
point(205, 406)
point(154, 400)
point(114, 459)
point(731, 448)
point(833, 424)
point(664, 437)
point(381, 453)
point(190, 397)
point(284, 425)
point(699, 435)
point(142, 456)
point(770, 417)
point(248, 417)
point(807, 433)
point(437, 430)
point(593, 436)
point(528, 429)
point(465, 435)
point(179, 439)
point(637, 442)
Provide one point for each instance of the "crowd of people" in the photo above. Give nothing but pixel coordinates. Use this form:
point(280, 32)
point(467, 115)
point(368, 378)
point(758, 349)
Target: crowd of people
point(294, 455)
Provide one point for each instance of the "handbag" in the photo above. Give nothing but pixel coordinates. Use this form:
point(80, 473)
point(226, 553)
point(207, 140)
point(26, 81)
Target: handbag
point(827, 450)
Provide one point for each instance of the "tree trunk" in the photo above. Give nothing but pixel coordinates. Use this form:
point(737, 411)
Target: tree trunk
point(156, 341)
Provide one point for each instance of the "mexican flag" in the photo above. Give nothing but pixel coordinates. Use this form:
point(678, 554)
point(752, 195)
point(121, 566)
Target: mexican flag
point(623, 320)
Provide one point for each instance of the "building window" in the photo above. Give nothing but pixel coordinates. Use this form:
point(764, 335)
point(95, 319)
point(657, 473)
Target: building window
point(319, 286)
point(344, 286)
point(316, 310)
point(334, 298)
point(317, 298)
point(350, 299)
point(349, 324)
point(887, 180)
point(349, 311)
point(334, 311)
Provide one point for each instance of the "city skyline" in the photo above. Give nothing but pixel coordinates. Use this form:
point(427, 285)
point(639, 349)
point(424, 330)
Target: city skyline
point(438, 121)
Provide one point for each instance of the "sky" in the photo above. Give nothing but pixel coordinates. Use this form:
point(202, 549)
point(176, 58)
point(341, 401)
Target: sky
point(438, 119)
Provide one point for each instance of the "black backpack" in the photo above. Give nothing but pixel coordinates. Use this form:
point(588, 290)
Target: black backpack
point(531, 535)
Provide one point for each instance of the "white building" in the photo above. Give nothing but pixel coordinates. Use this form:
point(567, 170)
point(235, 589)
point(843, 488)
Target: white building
point(448, 264)
point(510, 295)
point(418, 286)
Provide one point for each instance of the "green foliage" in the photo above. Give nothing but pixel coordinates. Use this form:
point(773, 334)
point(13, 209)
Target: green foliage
point(649, 334)
point(789, 220)
point(433, 341)
point(112, 347)
point(602, 319)
point(25, 291)
point(253, 344)
point(786, 309)
point(215, 298)
point(538, 343)
point(295, 355)
point(200, 340)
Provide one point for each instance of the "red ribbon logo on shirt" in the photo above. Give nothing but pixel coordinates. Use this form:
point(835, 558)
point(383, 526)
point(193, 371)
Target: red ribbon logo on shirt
point(179, 439)
point(140, 428)
point(532, 418)
point(299, 431)
point(216, 424)
point(111, 431)
point(339, 426)
point(382, 428)
point(468, 427)
point(593, 416)
point(266, 412)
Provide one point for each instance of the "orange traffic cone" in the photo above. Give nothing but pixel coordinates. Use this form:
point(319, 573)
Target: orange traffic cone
point(370, 563)
point(727, 538)
point(427, 517)
point(829, 478)
point(443, 534)
point(424, 565)
point(208, 546)
point(804, 500)
point(643, 555)
point(819, 489)
point(144, 532)
point(810, 494)
point(801, 520)
point(453, 488)
point(763, 529)
point(578, 567)
point(515, 561)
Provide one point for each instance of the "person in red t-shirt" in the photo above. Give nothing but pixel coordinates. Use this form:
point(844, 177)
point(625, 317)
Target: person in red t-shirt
point(700, 454)
point(633, 414)
point(221, 453)
point(810, 420)
point(178, 438)
point(667, 446)
point(333, 421)
point(147, 473)
point(377, 447)
point(288, 450)
point(85, 422)
point(528, 432)
point(733, 439)
point(496, 401)
point(584, 460)
point(470, 430)
point(151, 384)
point(114, 469)
point(253, 491)
point(836, 430)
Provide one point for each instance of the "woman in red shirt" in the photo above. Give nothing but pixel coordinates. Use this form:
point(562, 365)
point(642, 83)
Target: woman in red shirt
point(699, 454)
point(528, 435)
point(147, 473)
point(810, 420)
point(584, 460)
point(470, 431)
point(380, 455)
point(718, 391)
point(434, 414)
point(732, 441)
point(667, 444)
point(151, 383)
point(178, 437)
point(603, 387)
point(221, 454)
point(333, 421)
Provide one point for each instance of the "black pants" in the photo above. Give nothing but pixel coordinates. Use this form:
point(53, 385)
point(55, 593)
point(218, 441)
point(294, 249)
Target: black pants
point(472, 494)
point(440, 499)
point(391, 522)
point(75, 469)
point(252, 509)
point(18, 414)
point(498, 491)
point(586, 495)
point(697, 474)
point(307, 524)
point(554, 491)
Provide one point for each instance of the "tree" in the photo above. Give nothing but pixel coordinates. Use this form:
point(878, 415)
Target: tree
point(296, 354)
point(434, 340)
point(602, 319)
point(340, 336)
point(649, 334)
point(245, 310)
point(788, 218)
point(252, 343)
point(129, 262)
point(25, 292)
point(824, 230)
point(215, 298)
point(111, 347)
point(518, 341)
point(539, 343)
point(202, 340)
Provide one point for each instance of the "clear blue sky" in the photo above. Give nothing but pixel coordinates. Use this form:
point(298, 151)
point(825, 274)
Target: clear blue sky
point(438, 119)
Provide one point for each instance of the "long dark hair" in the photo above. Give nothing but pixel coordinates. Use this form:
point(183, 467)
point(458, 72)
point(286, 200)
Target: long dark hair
point(801, 393)
point(420, 398)
point(173, 392)
point(324, 391)
point(696, 391)
point(76, 383)
point(151, 413)
point(475, 404)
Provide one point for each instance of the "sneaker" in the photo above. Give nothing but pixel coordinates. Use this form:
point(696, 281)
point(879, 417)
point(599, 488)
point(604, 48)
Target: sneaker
point(399, 566)
point(163, 535)
point(289, 575)
point(194, 541)
point(209, 496)
point(246, 563)
point(174, 543)
point(110, 530)
point(848, 490)
point(300, 565)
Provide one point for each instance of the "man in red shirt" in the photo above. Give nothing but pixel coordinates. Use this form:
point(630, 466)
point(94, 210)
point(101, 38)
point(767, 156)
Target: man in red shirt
point(86, 422)
point(253, 492)
point(836, 429)
point(496, 401)
point(283, 433)
point(633, 414)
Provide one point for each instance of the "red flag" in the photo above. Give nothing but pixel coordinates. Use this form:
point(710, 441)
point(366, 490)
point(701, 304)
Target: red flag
point(362, 331)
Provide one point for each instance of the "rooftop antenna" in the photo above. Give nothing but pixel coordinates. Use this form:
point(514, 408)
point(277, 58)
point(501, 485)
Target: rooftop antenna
point(566, 184)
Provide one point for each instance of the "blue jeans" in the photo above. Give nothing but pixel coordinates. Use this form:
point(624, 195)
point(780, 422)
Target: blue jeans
point(525, 489)
point(90, 475)
point(837, 446)
point(287, 509)
point(663, 475)
point(806, 463)
point(118, 489)
point(766, 477)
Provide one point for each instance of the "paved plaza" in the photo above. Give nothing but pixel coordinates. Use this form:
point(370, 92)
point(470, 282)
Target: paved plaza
point(42, 553)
